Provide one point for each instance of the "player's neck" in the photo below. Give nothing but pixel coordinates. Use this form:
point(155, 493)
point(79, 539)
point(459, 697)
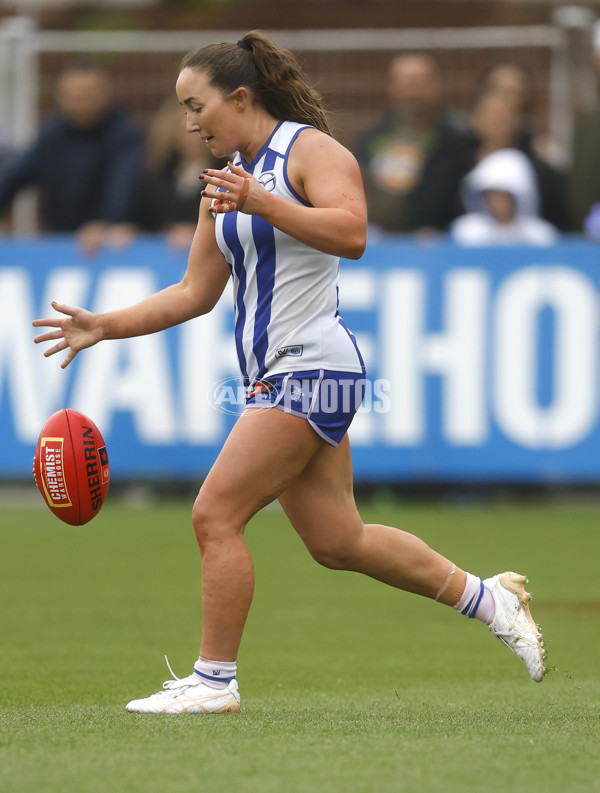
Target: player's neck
point(260, 130)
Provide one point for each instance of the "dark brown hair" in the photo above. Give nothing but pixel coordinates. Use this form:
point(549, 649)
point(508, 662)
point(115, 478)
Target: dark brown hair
point(272, 73)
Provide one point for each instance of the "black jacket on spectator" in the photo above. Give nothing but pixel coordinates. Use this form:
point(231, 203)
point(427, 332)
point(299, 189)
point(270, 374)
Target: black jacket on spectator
point(162, 204)
point(84, 174)
point(433, 200)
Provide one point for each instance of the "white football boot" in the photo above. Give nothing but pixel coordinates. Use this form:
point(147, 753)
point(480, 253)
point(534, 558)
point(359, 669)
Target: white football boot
point(189, 695)
point(513, 623)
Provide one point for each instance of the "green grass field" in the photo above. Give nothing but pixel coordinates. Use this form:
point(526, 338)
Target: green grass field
point(346, 685)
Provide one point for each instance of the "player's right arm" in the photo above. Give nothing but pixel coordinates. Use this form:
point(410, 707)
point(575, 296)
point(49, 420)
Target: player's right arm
point(200, 288)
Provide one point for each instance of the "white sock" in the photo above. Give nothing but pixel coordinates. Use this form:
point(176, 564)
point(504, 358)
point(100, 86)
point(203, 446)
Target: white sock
point(476, 600)
point(215, 674)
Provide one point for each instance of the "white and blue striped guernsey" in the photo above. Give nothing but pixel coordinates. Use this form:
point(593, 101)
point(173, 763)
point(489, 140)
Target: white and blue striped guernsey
point(285, 292)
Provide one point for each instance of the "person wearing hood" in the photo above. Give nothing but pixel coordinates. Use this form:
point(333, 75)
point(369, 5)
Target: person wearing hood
point(501, 198)
point(87, 162)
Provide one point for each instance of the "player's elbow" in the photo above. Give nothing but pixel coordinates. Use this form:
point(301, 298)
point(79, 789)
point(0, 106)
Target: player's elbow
point(355, 244)
point(204, 304)
point(357, 251)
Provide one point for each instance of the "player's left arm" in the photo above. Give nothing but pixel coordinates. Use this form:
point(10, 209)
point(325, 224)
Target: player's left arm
point(324, 173)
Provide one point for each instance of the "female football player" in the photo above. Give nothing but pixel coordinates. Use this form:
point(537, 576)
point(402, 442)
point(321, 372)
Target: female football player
point(276, 221)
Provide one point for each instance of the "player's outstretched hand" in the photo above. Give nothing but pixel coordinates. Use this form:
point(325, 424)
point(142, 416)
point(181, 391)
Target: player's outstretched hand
point(77, 330)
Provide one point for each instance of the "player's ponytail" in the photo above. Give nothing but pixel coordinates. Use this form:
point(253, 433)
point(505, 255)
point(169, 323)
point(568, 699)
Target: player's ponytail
point(272, 73)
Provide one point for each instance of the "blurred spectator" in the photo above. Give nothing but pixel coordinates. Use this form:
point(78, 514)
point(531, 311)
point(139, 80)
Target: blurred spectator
point(410, 159)
point(591, 223)
point(6, 154)
point(496, 123)
point(87, 162)
point(171, 187)
point(5, 147)
point(514, 82)
point(584, 187)
point(501, 198)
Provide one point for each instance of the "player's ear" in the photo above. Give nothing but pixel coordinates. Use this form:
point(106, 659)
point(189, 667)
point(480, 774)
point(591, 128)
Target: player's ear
point(240, 98)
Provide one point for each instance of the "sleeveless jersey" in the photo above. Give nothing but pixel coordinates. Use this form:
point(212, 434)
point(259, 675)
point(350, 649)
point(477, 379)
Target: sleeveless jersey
point(285, 292)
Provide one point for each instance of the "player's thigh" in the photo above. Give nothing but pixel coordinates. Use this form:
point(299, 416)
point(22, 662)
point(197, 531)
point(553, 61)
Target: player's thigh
point(321, 507)
point(265, 451)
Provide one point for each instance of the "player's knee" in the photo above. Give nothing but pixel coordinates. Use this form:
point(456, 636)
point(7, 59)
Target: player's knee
point(332, 555)
point(208, 521)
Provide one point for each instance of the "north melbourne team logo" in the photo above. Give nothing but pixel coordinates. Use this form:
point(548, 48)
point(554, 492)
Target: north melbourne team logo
point(267, 180)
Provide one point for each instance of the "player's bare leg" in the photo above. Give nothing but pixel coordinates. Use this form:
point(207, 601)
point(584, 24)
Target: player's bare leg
point(320, 504)
point(266, 450)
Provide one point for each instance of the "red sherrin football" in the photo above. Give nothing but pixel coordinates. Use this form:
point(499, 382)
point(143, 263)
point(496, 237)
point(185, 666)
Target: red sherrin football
point(71, 466)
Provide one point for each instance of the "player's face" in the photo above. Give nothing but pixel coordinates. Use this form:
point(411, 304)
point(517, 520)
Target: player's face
point(209, 114)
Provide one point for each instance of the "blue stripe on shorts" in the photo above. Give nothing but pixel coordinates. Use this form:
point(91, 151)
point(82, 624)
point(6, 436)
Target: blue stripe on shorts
point(327, 399)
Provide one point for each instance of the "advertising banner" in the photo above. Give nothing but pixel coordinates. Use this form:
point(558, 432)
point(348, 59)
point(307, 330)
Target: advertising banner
point(482, 363)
